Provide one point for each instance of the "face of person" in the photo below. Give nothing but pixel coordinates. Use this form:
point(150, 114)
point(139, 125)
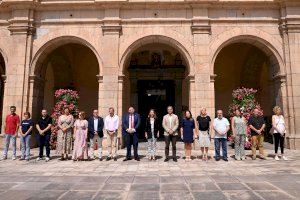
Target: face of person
point(26, 116)
point(111, 111)
point(12, 110)
point(255, 112)
point(67, 111)
point(278, 111)
point(131, 110)
point(95, 113)
point(187, 114)
point(151, 114)
point(80, 116)
point(44, 113)
point(203, 111)
point(220, 114)
point(170, 110)
point(238, 113)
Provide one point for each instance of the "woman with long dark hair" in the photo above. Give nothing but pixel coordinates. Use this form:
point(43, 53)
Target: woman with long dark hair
point(152, 133)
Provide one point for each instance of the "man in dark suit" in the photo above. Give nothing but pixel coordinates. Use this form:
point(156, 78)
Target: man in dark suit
point(95, 131)
point(130, 125)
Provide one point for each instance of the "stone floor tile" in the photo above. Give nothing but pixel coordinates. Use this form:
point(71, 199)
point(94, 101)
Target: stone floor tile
point(173, 186)
point(172, 179)
point(135, 195)
point(176, 195)
point(241, 195)
point(82, 195)
point(110, 195)
point(86, 186)
point(274, 195)
point(216, 195)
point(198, 179)
point(59, 186)
point(7, 186)
point(232, 186)
point(203, 186)
point(146, 179)
point(144, 187)
point(261, 186)
point(120, 179)
point(225, 179)
point(116, 187)
point(31, 186)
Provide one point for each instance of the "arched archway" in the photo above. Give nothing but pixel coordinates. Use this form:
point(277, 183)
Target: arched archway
point(156, 75)
point(246, 61)
point(68, 64)
point(2, 78)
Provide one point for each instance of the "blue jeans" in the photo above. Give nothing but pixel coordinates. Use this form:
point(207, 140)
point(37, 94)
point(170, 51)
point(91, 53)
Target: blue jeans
point(9, 138)
point(25, 146)
point(218, 143)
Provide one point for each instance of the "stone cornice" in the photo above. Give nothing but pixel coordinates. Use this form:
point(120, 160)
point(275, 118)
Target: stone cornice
point(17, 29)
point(3, 78)
point(99, 78)
point(111, 29)
point(279, 77)
point(213, 77)
point(35, 78)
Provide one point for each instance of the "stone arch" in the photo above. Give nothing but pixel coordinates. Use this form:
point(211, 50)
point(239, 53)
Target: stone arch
point(48, 46)
point(267, 43)
point(162, 39)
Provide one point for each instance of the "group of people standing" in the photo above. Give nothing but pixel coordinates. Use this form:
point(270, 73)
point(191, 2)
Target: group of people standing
point(95, 128)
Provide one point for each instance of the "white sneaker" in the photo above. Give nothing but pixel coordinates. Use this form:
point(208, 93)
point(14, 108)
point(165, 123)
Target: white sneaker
point(284, 158)
point(3, 158)
point(13, 158)
point(47, 159)
point(277, 158)
point(38, 159)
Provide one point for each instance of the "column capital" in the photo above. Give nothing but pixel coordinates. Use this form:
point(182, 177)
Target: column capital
point(279, 78)
point(191, 78)
point(35, 78)
point(213, 77)
point(121, 78)
point(4, 78)
point(99, 78)
point(20, 30)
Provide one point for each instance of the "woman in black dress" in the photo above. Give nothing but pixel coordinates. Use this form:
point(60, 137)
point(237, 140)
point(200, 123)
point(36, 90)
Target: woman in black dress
point(188, 133)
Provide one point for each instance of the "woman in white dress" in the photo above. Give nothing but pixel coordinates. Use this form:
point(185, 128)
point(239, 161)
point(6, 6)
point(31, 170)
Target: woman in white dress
point(80, 135)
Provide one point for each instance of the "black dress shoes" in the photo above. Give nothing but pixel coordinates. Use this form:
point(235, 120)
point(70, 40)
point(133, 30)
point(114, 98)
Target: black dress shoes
point(166, 160)
point(126, 159)
point(108, 158)
point(175, 159)
point(115, 158)
point(137, 159)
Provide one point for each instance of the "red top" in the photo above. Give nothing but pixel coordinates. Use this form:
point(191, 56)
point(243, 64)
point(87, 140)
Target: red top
point(11, 123)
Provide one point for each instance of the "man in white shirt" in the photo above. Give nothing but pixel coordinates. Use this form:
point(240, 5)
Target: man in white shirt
point(111, 125)
point(95, 131)
point(221, 127)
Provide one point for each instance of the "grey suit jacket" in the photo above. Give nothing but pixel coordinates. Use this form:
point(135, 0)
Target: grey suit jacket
point(170, 122)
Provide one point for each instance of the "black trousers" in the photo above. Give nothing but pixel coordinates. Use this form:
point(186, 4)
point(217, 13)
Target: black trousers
point(168, 140)
point(132, 140)
point(44, 142)
point(279, 141)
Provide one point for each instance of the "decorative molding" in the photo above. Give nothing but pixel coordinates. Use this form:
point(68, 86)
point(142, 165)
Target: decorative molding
point(19, 30)
point(4, 78)
point(35, 78)
point(191, 78)
point(279, 77)
point(121, 78)
point(111, 29)
point(201, 26)
point(213, 77)
point(99, 78)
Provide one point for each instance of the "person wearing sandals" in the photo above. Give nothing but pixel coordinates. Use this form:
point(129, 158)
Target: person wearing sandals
point(64, 136)
point(152, 133)
point(80, 134)
point(204, 126)
point(279, 130)
point(239, 130)
point(188, 133)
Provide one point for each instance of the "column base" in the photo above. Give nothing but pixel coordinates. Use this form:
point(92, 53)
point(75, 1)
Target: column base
point(293, 142)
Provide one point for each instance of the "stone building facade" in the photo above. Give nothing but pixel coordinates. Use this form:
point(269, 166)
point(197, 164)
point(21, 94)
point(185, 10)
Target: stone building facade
point(188, 53)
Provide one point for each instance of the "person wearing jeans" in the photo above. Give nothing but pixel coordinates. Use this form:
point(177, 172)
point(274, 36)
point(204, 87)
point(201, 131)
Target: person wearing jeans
point(25, 135)
point(111, 125)
point(11, 127)
point(95, 132)
point(170, 124)
point(221, 127)
point(44, 128)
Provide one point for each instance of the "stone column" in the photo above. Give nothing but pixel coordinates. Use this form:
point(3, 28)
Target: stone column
point(203, 88)
point(290, 29)
point(109, 78)
point(17, 69)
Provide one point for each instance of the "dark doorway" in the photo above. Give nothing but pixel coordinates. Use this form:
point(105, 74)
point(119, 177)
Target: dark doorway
point(154, 94)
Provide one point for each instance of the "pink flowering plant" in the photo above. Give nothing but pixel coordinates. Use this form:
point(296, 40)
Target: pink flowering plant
point(65, 98)
point(244, 100)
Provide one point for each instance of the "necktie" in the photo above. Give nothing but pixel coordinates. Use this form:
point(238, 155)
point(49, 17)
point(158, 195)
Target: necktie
point(132, 125)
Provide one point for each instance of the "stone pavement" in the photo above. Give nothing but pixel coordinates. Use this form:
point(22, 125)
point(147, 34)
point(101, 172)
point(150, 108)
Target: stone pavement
point(255, 180)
